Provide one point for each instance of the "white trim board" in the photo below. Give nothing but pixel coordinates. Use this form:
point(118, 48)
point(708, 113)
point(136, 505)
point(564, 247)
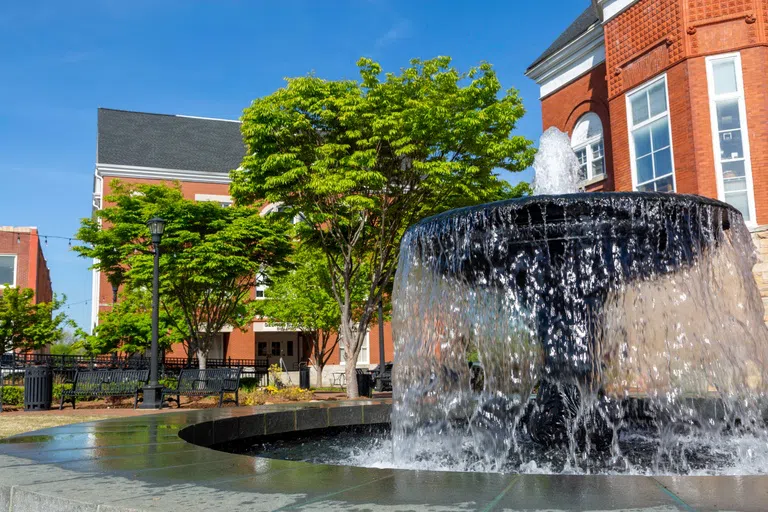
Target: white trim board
point(584, 53)
point(158, 173)
point(612, 8)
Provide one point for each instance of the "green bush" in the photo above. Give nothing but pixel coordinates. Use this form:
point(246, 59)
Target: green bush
point(13, 395)
point(58, 388)
point(249, 383)
point(169, 382)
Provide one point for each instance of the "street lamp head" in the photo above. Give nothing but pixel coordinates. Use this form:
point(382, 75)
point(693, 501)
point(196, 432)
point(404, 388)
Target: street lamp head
point(156, 227)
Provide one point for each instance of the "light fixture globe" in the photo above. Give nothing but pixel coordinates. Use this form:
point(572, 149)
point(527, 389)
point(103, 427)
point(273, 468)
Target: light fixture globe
point(156, 226)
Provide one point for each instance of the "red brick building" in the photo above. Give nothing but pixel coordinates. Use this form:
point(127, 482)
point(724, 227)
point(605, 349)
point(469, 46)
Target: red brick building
point(197, 152)
point(667, 95)
point(22, 264)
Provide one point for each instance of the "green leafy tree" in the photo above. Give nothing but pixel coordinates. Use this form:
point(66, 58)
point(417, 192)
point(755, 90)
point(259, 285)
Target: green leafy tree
point(210, 255)
point(303, 300)
point(127, 327)
point(363, 160)
point(25, 325)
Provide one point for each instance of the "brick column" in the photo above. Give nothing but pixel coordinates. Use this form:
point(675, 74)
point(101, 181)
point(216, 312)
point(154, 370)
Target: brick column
point(760, 238)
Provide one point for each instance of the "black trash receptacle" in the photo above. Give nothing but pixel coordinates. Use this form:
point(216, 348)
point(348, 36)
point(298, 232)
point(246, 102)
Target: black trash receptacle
point(304, 377)
point(38, 388)
point(364, 383)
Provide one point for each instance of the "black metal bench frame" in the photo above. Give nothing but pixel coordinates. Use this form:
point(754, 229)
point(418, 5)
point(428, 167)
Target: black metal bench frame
point(105, 383)
point(207, 382)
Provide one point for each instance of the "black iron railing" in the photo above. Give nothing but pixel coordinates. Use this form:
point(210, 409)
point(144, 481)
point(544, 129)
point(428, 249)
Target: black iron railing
point(12, 366)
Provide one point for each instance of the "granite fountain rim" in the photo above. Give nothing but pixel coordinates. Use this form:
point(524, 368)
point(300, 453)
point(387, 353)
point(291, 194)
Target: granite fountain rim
point(141, 463)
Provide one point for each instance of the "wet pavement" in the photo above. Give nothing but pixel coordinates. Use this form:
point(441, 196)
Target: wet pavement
point(147, 463)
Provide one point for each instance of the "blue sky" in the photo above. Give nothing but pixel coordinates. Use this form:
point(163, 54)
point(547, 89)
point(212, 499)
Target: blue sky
point(59, 61)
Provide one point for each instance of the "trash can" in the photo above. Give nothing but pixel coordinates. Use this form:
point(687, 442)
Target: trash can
point(304, 377)
point(364, 383)
point(38, 388)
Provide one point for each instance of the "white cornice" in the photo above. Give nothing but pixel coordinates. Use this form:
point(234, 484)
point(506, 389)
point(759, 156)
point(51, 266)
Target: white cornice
point(159, 173)
point(612, 8)
point(576, 58)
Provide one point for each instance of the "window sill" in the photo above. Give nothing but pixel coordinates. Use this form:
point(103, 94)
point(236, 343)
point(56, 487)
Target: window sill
point(593, 181)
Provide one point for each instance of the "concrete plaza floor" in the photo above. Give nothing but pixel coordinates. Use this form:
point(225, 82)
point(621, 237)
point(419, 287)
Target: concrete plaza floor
point(142, 463)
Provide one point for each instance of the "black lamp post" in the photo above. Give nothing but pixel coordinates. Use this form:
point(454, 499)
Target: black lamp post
point(153, 392)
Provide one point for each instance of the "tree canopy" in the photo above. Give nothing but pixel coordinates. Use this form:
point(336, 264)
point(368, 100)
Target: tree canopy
point(127, 327)
point(25, 325)
point(303, 300)
point(361, 160)
point(210, 255)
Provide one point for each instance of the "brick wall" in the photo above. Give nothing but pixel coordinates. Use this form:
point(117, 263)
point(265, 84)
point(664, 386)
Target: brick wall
point(588, 93)
point(760, 238)
point(31, 267)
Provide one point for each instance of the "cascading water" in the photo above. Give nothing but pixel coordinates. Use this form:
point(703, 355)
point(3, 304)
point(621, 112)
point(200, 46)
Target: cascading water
point(612, 332)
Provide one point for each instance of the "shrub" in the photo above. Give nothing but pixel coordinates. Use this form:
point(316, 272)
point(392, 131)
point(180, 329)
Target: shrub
point(13, 395)
point(255, 397)
point(249, 383)
point(58, 388)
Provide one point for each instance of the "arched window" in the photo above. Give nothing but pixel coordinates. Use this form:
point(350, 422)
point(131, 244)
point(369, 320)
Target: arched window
point(587, 143)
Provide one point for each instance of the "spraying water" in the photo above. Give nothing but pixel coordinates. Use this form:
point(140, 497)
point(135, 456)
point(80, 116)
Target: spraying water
point(556, 166)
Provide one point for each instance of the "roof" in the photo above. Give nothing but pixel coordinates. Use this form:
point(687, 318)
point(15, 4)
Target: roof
point(138, 139)
point(585, 20)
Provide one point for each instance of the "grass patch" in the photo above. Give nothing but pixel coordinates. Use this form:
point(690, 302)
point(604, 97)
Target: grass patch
point(330, 389)
point(12, 424)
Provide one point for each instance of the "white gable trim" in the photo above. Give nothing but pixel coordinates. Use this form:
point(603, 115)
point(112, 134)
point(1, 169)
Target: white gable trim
point(158, 173)
point(579, 56)
point(612, 8)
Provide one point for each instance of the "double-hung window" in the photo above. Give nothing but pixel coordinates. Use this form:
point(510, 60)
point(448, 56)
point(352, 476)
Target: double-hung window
point(587, 143)
point(651, 138)
point(7, 270)
point(729, 132)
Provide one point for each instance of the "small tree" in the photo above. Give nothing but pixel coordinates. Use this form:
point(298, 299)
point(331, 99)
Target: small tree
point(303, 299)
point(210, 255)
point(25, 325)
point(363, 160)
point(127, 327)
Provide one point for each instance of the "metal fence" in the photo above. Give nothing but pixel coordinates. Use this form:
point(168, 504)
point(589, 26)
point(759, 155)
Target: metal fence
point(12, 366)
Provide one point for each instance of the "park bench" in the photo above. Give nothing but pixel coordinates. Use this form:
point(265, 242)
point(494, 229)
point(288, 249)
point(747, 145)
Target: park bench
point(105, 383)
point(208, 382)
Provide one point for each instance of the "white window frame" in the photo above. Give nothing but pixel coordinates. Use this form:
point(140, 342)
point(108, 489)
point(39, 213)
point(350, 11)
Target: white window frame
point(738, 95)
point(15, 271)
point(587, 145)
point(360, 361)
point(650, 120)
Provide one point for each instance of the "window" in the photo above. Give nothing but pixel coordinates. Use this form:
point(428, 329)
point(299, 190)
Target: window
point(587, 143)
point(275, 348)
point(225, 201)
point(289, 348)
point(7, 270)
point(363, 357)
point(729, 132)
point(260, 292)
point(651, 138)
point(262, 349)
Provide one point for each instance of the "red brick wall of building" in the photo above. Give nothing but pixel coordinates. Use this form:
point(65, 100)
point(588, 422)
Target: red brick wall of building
point(564, 108)
point(674, 37)
point(31, 267)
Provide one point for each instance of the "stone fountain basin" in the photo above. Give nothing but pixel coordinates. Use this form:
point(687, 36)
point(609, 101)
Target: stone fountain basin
point(164, 462)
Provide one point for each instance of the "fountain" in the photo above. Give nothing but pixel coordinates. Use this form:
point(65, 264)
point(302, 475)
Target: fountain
point(593, 319)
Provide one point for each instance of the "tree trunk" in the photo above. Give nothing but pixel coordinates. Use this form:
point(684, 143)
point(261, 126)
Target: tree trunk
point(202, 359)
point(319, 377)
point(351, 374)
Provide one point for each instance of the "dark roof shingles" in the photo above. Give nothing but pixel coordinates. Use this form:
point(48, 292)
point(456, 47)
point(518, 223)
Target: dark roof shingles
point(585, 20)
point(168, 142)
